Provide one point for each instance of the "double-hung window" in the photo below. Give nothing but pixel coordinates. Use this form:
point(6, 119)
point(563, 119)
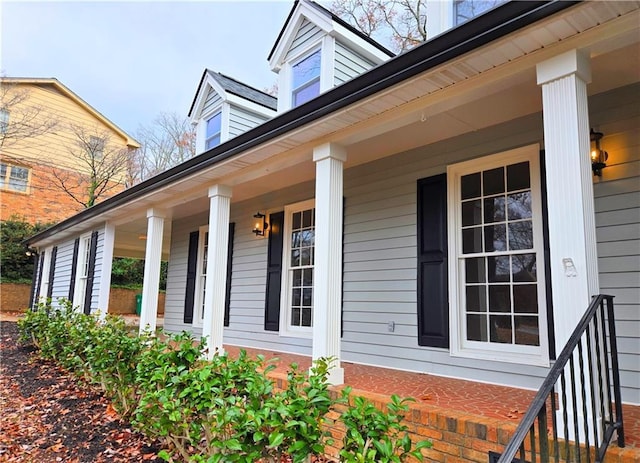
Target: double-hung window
point(306, 79)
point(213, 131)
point(4, 121)
point(96, 147)
point(201, 275)
point(497, 272)
point(297, 274)
point(82, 271)
point(14, 178)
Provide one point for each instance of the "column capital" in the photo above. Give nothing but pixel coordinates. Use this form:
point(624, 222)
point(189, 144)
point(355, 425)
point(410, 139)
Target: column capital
point(565, 64)
point(220, 190)
point(329, 150)
point(156, 212)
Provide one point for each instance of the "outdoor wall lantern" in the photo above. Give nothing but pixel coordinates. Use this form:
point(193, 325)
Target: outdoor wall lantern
point(598, 155)
point(261, 224)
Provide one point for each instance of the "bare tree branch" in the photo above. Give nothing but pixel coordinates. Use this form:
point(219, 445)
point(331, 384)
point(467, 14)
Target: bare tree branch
point(100, 166)
point(168, 141)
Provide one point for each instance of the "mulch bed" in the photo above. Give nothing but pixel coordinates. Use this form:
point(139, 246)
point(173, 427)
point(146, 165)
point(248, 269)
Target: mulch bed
point(46, 415)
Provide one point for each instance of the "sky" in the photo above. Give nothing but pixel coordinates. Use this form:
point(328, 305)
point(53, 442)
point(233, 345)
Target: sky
point(133, 60)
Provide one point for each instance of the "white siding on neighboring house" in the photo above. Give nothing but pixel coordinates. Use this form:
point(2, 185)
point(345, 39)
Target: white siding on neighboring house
point(62, 279)
point(348, 64)
point(308, 33)
point(617, 205)
point(212, 101)
point(241, 120)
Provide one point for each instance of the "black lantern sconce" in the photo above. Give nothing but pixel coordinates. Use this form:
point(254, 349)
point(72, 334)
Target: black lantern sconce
point(261, 224)
point(598, 155)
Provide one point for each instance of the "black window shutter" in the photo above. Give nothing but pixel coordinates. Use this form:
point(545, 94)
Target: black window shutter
point(274, 272)
point(93, 246)
point(433, 300)
point(52, 271)
point(74, 265)
point(192, 263)
point(547, 257)
point(37, 281)
point(227, 299)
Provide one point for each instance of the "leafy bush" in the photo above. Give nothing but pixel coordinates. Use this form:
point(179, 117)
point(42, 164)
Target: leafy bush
point(375, 436)
point(222, 410)
point(16, 266)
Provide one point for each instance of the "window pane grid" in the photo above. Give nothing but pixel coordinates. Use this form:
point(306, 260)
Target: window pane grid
point(497, 256)
point(14, 178)
point(302, 258)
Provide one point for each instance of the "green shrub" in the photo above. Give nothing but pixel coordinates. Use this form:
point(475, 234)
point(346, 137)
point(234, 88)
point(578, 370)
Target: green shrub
point(16, 266)
point(222, 410)
point(376, 436)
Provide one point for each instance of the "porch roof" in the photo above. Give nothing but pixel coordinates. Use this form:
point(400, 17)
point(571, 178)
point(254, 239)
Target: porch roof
point(393, 91)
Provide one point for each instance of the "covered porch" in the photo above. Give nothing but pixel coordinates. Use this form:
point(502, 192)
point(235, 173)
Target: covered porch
point(464, 419)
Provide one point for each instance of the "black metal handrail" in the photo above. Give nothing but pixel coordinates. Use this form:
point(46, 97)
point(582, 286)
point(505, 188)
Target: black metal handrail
point(593, 390)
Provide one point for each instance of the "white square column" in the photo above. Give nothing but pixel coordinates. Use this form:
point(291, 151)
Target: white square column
point(327, 273)
point(571, 214)
point(572, 232)
point(152, 259)
point(215, 285)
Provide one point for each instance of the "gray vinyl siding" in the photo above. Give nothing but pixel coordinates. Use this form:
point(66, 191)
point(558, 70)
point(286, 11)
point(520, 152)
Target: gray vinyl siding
point(212, 101)
point(617, 204)
point(241, 120)
point(177, 273)
point(348, 64)
point(249, 275)
point(64, 263)
point(308, 33)
point(380, 258)
point(380, 261)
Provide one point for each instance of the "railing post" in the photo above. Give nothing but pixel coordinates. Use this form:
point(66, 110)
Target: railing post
point(615, 372)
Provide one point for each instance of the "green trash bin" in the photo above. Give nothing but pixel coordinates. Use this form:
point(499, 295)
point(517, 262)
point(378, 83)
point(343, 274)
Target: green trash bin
point(138, 303)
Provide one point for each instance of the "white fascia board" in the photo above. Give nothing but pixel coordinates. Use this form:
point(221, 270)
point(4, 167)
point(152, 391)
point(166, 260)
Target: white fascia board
point(301, 12)
point(358, 45)
point(202, 96)
point(249, 105)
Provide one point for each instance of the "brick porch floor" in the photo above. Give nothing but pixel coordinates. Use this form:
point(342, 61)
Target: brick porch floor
point(496, 404)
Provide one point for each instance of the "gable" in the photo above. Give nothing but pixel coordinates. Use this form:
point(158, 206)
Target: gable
point(211, 101)
point(306, 35)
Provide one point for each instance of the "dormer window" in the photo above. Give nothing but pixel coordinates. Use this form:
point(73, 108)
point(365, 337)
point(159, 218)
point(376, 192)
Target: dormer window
point(306, 79)
point(214, 129)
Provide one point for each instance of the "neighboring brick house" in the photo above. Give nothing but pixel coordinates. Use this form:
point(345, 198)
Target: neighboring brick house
point(42, 123)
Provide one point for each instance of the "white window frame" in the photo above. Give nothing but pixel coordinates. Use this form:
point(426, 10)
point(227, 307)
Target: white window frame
point(294, 63)
point(200, 286)
point(6, 181)
point(460, 346)
point(286, 329)
point(218, 134)
point(44, 274)
point(326, 46)
point(82, 266)
point(97, 144)
point(4, 120)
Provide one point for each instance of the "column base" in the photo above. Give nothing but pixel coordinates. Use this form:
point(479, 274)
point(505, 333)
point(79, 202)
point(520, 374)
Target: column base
point(335, 376)
point(213, 351)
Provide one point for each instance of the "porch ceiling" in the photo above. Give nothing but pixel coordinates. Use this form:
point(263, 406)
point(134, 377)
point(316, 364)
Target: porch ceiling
point(487, 86)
